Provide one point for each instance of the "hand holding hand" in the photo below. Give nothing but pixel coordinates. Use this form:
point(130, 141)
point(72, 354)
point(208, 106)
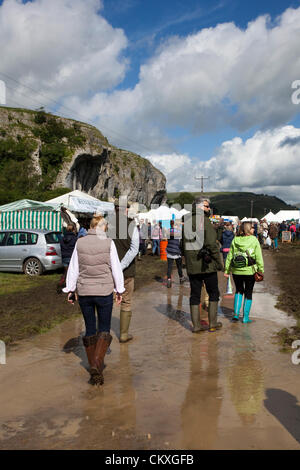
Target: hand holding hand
point(226, 275)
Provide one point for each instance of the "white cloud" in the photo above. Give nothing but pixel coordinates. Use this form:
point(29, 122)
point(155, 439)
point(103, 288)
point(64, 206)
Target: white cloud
point(220, 76)
point(58, 47)
point(169, 163)
point(266, 163)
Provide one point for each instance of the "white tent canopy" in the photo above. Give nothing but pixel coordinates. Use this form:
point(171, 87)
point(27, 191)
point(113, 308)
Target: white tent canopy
point(77, 201)
point(249, 219)
point(287, 215)
point(270, 217)
point(162, 213)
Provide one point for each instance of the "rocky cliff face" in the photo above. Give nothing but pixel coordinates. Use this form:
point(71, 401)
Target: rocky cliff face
point(77, 156)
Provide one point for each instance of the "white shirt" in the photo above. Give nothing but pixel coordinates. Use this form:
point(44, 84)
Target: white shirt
point(116, 269)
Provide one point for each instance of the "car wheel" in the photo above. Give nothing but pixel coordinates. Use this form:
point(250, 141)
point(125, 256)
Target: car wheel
point(33, 267)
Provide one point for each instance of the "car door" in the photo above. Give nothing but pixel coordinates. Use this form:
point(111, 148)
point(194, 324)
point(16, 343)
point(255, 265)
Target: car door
point(16, 250)
point(3, 237)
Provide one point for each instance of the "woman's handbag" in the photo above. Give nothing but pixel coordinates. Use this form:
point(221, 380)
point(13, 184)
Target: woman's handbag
point(258, 276)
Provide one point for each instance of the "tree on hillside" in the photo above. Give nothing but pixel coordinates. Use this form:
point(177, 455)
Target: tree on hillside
point(184, 198)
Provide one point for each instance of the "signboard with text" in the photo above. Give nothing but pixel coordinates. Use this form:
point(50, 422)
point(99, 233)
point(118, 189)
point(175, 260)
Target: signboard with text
point(286, 237)
point(90, 206)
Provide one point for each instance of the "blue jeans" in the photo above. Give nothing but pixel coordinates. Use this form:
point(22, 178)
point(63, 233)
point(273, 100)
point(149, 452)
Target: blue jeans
point(66, 262)
point(156, 244)
point(104, 306)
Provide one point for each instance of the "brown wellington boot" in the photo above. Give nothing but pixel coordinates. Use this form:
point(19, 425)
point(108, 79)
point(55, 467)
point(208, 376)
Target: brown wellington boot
point(89, 343)
point(103, 343)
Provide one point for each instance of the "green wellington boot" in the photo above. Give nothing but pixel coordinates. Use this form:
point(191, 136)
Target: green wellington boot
point(212, 316)
point(125, 318)
point(246, 310)
point(195, 316)
point(238, 300)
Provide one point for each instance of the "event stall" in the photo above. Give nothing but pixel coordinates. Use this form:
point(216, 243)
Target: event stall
point(162, 213)
point(28, 214)
point(286, 216)
point(79, 202)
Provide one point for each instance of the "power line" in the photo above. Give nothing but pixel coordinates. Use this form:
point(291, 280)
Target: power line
point(84, 118)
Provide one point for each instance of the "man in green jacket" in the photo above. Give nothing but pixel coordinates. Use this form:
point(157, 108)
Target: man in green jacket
point(202, 257)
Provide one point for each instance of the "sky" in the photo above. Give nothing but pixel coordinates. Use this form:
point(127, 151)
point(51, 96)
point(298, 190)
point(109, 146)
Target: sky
point(206, 88)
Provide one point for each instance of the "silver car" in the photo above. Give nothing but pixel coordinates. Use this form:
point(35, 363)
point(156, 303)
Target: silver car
point(30, 251)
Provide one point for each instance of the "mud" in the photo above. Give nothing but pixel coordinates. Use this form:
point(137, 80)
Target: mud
point(167, 389)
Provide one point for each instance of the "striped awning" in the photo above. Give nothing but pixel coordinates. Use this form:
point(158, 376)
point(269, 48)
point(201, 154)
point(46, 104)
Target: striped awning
point(31, 219)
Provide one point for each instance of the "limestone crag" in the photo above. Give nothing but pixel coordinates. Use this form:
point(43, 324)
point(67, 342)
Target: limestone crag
point(76, 155)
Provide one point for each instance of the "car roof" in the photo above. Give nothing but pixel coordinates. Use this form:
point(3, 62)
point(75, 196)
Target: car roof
point(31, 230)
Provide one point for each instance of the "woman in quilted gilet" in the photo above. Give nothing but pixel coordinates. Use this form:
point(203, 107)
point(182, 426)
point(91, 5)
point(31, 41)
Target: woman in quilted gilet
point(94, 273)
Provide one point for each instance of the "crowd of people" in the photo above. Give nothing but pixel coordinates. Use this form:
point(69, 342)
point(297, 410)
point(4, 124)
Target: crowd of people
point(99, 268)
point(270, 234)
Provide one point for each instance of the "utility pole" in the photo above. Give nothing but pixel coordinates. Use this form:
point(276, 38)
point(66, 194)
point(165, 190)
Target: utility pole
point(251, 209)
point(202, 178)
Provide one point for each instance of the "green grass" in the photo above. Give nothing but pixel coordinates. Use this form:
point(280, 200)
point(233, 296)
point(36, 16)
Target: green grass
point(19, 282)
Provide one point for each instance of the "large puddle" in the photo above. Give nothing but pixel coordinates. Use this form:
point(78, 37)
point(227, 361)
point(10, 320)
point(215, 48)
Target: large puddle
point(167, 389)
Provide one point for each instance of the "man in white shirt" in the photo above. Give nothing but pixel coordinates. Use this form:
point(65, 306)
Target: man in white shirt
point(127, 249)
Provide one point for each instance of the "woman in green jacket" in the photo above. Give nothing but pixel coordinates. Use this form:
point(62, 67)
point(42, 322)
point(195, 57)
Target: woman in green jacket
point(243, 246)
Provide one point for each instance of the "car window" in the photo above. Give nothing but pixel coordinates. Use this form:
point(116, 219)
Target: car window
point(17, 238)
point(53, 237)
point(32, 238)
point(2, 238)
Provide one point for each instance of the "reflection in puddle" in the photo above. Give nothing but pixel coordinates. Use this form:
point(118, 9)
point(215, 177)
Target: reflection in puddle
point(245, 377)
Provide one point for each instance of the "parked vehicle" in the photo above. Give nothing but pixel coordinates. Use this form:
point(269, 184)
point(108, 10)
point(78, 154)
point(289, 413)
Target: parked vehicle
point(30, 251)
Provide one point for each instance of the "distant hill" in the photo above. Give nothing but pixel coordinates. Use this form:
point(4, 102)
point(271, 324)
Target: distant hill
point(239, 203)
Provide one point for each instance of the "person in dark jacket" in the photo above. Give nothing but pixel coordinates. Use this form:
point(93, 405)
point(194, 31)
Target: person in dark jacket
point(174, 253)
point(202, 257)
point(67, 244)
point(220, 228)
point(227, 237)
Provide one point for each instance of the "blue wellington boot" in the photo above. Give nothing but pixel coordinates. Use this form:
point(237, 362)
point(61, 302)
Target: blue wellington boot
point(246, 310)
point(238, 300)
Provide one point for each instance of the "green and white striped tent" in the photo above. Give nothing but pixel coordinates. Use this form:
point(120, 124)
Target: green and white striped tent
point(26, 214)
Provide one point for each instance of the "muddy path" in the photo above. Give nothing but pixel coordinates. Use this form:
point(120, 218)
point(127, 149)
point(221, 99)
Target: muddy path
point(167, 389)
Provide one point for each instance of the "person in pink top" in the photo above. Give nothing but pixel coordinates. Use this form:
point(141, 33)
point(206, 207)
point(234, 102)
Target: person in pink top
point(293, 229)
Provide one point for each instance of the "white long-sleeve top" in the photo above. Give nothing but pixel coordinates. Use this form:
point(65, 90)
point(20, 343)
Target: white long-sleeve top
point(116, 269)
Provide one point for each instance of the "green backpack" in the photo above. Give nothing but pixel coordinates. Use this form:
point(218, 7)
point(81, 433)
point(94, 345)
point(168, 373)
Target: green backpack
point(242, 260)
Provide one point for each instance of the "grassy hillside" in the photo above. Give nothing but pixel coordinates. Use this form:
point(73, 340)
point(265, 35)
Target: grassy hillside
point(239, 203)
